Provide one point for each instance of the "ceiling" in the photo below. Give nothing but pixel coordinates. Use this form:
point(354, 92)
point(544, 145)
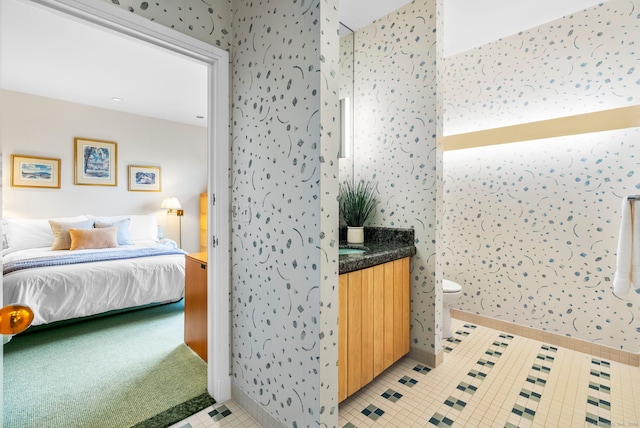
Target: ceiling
point(470, 23)
point(52, 56)
point(46, 54)
point(352, 13)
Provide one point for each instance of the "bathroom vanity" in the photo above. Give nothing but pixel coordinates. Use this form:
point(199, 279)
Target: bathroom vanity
point(374, 307)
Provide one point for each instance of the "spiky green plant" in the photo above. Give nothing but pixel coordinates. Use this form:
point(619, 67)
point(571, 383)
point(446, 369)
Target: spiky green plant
point(357, 202)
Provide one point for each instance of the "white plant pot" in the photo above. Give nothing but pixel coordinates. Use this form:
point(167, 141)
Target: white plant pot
point(355, 235)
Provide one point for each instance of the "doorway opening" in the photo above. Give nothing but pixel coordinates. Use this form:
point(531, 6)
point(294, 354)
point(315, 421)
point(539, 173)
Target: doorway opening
point(123, 23)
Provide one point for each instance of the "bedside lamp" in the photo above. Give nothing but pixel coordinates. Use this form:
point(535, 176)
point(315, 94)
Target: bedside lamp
point(172, 205)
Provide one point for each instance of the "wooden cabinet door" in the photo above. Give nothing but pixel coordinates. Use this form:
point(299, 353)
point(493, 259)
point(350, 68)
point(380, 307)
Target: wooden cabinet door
point(378, 321)
point(354, 331)
point(406, 305)
point(368, 316)
point(373, 323)
point(388, 354)
point(401, 308)
point(195, 304)
point(343, 282)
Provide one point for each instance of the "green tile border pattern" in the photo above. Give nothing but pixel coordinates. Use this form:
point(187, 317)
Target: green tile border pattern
point(457, 401)
point(391, 395)
point(599, 397)
point(372, 412)
point(421, 369)
point(220, 413)
point(454, 341)
point(408, 381)
point(526, 405)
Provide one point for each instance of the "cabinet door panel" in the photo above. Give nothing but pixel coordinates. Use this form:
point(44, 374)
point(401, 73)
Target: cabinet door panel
point(388, 314)
point(195, 306)
point(378, 320)
point(368, 314)
point(374, 322)
point(406, 304)
point(343, 282)
point(397, 310)
point(354, 332)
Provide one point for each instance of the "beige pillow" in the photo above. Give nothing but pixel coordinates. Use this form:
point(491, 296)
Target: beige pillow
point(83, 239)
point(60, 229)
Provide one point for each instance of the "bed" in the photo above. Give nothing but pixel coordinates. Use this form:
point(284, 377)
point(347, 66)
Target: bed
point(81, 266)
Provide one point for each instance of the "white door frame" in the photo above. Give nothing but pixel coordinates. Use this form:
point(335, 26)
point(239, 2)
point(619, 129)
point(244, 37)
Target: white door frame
point(100, 13)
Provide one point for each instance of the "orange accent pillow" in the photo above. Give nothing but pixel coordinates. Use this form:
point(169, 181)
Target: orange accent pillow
point(83, 239)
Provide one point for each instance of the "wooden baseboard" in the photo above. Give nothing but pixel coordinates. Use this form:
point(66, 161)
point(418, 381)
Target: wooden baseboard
point(600, 351)
point(429, 359)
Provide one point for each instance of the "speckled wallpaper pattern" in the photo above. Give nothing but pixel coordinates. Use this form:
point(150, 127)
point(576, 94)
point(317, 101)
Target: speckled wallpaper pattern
point(395, 144)
point(531, 228)
point(278, 171)
point(581, 63)
point(209, 21)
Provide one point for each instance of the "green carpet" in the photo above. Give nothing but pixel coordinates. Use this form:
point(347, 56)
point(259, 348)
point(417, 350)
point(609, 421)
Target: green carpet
point(111, 372)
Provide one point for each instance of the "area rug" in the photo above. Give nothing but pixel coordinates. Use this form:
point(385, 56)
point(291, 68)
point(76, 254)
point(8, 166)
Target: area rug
point(119, 371)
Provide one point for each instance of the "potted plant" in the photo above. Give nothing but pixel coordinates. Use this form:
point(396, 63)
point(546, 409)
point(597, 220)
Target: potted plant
point(356, 202)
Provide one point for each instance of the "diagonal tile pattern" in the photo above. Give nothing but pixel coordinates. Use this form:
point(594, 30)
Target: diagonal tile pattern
point(488, 379)
point(526, 405)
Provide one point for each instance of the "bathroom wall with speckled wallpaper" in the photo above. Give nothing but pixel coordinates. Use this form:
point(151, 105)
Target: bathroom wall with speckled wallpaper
point(285, 171)
point(395, 145)
point(531, 228)
point(208, 21)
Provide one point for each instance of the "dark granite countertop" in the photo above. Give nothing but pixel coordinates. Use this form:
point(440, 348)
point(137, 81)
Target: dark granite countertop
point(381, 244)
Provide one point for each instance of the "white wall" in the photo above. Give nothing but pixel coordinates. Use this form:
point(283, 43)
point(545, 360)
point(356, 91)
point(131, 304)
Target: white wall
point(38, 126)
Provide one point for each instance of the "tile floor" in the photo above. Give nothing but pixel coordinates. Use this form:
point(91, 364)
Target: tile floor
point(488, 379)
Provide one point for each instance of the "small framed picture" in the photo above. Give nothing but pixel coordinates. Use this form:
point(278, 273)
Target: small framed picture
point(144, 178)
point(96, 162)
point(30, 171)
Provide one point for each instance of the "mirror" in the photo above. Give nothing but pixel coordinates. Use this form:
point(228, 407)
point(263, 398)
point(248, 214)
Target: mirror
point(346, 94)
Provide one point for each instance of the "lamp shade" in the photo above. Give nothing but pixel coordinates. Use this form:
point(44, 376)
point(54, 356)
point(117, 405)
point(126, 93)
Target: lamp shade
point(171, 203)
point(15, 318)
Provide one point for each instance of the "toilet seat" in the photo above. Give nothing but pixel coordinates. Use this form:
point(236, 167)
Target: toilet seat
point(450, 286)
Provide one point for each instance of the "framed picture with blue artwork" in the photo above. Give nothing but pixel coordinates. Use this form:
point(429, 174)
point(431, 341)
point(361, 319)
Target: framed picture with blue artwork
point(144, 178)
point(31, 171)
point(96, 162)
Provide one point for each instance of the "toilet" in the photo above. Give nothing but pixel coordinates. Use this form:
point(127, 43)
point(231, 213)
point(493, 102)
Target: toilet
point(450, 296)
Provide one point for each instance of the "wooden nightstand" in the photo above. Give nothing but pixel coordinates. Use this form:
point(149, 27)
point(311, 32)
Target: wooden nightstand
point(195, 303)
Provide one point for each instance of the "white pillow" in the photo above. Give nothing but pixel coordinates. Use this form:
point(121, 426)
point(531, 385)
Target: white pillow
point(32, 233)
point(141, 228)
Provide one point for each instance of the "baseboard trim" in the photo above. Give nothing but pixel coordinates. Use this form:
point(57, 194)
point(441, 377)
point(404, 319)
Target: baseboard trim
point(427, 358)
point(555, 339)
point(254, 409)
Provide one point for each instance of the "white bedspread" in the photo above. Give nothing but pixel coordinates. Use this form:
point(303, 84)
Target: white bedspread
point(64, 292)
